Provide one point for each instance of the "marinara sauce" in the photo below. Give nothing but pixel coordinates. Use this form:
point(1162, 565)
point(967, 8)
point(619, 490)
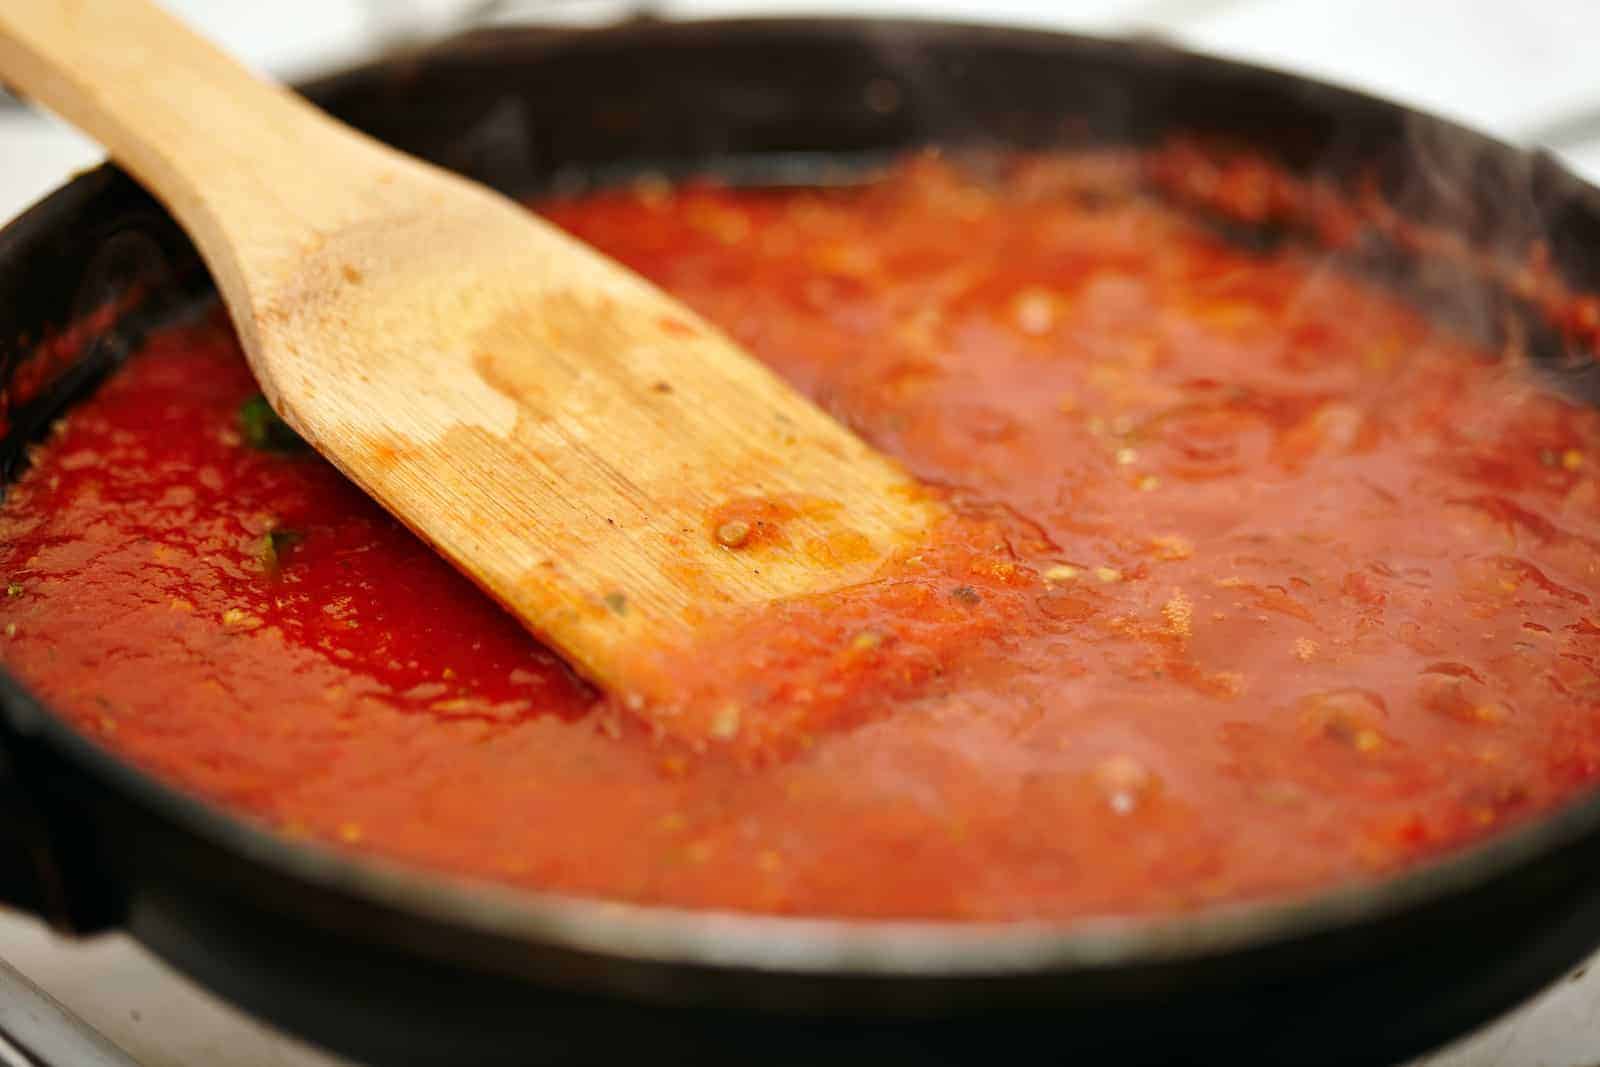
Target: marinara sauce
point(1256, 580)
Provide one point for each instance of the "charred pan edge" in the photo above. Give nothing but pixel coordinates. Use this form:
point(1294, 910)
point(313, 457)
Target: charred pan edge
point(40, 262)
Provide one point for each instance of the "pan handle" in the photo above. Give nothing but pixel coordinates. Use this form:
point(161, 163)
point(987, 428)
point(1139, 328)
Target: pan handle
point(47, 858)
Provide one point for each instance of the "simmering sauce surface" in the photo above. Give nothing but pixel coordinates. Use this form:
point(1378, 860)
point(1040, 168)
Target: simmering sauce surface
point(1257, 581)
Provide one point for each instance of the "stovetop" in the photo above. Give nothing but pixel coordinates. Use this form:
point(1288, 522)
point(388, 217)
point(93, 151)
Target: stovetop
point(111, 1004)
point(1524, 72)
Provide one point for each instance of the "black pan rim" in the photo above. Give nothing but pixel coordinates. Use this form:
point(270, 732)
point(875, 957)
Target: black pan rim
point(738, 941)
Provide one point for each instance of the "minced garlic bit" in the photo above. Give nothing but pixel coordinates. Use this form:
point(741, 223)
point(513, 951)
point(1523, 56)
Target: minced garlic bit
point(1108, 574)
point(1125, 782)
point(733, 533)
point(1035, 311)
point(1147, 484)
point(1127, 456)
point(1305, 649)
point(1061, 572)
point(866, 640)
point(725, 727)
point(1491, 712)
point(11, 629)
point(1172, 548)
point(13, 589)
point(1179, 613)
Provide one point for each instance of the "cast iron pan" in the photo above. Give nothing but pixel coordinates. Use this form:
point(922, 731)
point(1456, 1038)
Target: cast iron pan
point(396, 966)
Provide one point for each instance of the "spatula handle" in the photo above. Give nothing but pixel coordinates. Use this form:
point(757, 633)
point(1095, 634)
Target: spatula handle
point(218, 145)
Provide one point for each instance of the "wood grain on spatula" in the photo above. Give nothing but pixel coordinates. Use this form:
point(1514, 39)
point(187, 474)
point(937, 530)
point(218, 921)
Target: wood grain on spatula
point(611, 468)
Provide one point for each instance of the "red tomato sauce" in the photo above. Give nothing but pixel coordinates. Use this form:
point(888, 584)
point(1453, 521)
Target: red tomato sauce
point(1256, 581)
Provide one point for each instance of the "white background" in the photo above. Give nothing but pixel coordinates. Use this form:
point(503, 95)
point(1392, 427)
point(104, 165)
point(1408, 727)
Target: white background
point(1518, 70)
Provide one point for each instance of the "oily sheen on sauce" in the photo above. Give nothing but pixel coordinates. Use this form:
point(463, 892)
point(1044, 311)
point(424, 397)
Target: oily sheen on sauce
point(1256, 580)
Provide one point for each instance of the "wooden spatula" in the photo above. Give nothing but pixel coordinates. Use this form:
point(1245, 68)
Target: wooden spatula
point(604, 463)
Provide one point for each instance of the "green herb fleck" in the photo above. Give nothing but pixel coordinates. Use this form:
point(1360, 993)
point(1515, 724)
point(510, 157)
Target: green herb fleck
point(966, 594)
point(275, 545)
point(14, 589)
point(261, 428)
point(617, 603)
